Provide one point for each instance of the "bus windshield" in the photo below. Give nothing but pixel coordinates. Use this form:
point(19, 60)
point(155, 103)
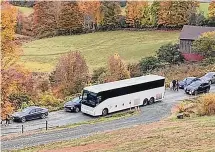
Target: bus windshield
point(89, 98)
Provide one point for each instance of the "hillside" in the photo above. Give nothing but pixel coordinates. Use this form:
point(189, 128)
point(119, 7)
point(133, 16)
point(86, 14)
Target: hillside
point(42, 55)
point(192, 134)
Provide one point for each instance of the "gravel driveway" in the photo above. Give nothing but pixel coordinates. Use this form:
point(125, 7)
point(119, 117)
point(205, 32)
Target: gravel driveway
point(148, 114)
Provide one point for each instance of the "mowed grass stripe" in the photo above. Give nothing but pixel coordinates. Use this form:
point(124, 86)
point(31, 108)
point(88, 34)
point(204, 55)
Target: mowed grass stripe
point(96, 47)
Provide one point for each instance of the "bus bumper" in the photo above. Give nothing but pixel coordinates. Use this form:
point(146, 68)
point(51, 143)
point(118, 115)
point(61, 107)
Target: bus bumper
point(88, 111)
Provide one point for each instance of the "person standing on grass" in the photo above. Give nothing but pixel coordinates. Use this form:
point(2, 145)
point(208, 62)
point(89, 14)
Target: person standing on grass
point(174, 85)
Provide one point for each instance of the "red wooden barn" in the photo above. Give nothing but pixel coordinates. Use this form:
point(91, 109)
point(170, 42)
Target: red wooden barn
point(187, 36)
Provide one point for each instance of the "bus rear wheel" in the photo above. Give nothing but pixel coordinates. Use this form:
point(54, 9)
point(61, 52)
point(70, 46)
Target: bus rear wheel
point(104, 112)
point(151, 100)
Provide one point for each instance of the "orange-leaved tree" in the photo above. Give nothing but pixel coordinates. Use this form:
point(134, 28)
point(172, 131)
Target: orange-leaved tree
point(9, 53)
point(70, 17)
point(91, 11)
point(117, 70)
point(134, 12)
point(71, 74)
point(45, 18)
point(211, 9)
point(176, 13)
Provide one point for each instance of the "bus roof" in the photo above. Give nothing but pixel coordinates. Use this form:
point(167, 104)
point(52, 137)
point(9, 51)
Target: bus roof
point(122, 83)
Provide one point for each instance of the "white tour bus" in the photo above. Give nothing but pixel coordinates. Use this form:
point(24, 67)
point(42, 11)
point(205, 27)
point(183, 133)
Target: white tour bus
point(119, 95)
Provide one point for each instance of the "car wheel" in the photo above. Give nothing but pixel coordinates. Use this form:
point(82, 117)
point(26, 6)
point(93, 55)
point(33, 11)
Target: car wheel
point(43, 116)
point(145, 102)
point(151, 100)
point(77, 109)
point(46, 114)
point(207, 90)
point(23, 119)
point(210, 82)
point(104, 112)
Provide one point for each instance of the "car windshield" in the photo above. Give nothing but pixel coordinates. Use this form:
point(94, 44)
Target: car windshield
point(196, 84)
point(27, 110)
point(89, 98)
point(76, 100)
point(189, 80)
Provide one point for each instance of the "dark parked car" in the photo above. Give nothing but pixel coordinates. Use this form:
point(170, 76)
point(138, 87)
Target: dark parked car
point(187, 81)
point(210, 77)
point(30, 113)
point(198, 87)
point(73, 105)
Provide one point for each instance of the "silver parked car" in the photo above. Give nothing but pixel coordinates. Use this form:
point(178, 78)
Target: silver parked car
point(209, 77)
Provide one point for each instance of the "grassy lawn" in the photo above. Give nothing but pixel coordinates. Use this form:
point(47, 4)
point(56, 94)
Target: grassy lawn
point(26, 10)
point(42, 55)
point(204, 7)
point(191, 134)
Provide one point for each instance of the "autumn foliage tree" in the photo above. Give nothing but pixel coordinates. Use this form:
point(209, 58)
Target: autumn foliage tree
point(70, 17)
point(205, 44)
point(110, 10)
point(211, 10)
point(176, 13)
point(71, 74)
point(134, 12)
point(27, 25)
point(117, 70)
point(92, 12)
point(154, 9)
point(45, 18)
point(9, 55)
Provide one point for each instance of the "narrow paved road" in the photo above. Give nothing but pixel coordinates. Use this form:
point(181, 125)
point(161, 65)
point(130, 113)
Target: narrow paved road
point(148, 114)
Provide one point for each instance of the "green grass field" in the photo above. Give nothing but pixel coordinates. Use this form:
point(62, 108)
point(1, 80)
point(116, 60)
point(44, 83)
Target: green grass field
point(42, 55)
point(26, 10)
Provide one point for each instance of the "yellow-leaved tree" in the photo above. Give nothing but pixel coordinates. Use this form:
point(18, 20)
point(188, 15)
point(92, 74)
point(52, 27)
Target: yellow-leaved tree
point(9, 54)
point(211, 9)
point(117, 70)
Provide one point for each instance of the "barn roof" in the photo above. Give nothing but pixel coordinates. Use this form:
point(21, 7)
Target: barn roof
point(193, 32)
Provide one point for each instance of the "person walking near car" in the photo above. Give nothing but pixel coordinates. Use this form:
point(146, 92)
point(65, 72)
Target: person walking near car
point(174, 85)
point(7, 120)
point(177, 85)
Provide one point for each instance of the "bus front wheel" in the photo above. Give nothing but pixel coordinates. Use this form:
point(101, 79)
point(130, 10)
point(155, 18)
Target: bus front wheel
point(145, 102)
point(104, 112)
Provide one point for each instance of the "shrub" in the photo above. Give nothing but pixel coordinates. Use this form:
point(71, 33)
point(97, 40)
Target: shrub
point(135, 70)
point(97, 75)
point(148, 64)
point(206, 104)
point(48, 99)
point(170, 53)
